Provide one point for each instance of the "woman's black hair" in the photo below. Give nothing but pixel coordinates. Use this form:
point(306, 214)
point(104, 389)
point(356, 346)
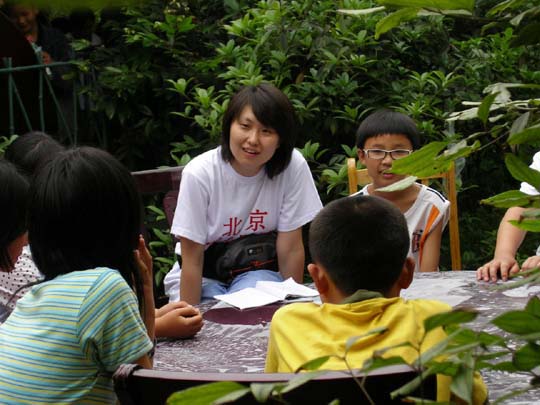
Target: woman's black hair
point(31, 151)
point(84, 213)
point(273, 109)
point(385, 121)
point(13, 199)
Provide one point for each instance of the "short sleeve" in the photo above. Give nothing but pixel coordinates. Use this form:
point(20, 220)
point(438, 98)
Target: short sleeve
point(301, 200)
point(111, 330)
point(526, 187)
point(190, 220)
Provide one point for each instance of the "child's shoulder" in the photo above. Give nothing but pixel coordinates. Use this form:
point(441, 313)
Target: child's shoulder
point(428, 307)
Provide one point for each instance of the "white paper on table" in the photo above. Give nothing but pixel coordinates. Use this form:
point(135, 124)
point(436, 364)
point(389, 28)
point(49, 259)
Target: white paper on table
point(435, 289)
point(267, 292)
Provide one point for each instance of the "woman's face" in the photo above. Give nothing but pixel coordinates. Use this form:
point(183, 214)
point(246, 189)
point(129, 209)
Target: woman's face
point(25, 18)
point(252, 144)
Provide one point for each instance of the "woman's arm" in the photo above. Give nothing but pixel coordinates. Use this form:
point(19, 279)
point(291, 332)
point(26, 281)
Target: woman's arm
point(431, 251)
point(192, 268)
point(290, 253)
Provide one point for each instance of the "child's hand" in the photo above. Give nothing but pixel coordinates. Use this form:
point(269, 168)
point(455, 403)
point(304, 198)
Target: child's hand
point(170, 306)
point(531, 263)
point(178, 319)
point(143, 259)
point(498, 267)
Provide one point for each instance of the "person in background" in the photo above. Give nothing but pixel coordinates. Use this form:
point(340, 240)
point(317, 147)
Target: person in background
point(509, 239)
point(359, 249)
point(29, 153)
point(383, 137)
point(254, 183)
point(83, 228)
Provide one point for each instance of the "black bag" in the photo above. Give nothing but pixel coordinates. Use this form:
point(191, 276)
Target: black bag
point(225, 260)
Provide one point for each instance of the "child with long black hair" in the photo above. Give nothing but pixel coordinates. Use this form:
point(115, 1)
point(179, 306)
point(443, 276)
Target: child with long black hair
point(69, 333)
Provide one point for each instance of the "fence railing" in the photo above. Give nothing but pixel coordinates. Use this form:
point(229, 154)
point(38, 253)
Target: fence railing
point(15, 100)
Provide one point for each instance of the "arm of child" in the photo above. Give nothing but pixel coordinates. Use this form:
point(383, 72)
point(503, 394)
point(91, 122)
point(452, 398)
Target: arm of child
point(192, 268)
point(178, 319)
point(509, 239)
point(144, 264)
point(290, 253)
point(431, 251)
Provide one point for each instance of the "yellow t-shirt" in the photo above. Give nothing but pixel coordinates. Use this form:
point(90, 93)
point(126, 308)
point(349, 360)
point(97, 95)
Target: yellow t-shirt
point(302, 332)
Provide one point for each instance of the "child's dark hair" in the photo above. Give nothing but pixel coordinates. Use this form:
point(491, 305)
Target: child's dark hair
point(383, 122)
point(31, 151)
point(13, 199)
point(84, 213)
point(361, 241)
point(273, 109)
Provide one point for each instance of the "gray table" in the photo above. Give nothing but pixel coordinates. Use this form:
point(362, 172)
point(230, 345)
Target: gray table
point(239, 344)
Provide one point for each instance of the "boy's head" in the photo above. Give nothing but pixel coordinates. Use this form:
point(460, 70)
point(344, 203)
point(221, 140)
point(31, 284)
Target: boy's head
point(360, 242)
point(383, 137)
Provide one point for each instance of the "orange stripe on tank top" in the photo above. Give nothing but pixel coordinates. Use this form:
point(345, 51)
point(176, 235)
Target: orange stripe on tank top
point(434, 213)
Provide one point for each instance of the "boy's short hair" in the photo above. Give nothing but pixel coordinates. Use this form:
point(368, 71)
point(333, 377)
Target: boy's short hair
point(84, 212)
point(387, 122)
point(361, 241)
point(13, 199)
point(273, 109)
point(31, 151)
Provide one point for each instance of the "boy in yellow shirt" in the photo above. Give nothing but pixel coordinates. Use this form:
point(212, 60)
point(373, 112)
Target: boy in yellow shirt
point(359, 249)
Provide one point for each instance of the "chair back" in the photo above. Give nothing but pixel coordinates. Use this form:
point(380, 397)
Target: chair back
point(165, 180)
point(360, 177)
point(134, 385)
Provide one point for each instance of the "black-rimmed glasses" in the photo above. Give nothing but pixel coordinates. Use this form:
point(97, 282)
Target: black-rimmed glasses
point(379, 154)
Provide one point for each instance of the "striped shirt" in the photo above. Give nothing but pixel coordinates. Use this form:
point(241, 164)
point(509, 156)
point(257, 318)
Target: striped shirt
point(67, 336)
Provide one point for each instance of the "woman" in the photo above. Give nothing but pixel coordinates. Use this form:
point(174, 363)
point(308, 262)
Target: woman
point(254, 183)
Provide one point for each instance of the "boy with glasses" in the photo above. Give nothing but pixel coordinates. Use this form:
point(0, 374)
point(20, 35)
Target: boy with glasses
point(383, 137)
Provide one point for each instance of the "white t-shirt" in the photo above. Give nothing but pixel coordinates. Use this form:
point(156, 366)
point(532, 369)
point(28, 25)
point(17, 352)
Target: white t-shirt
point(526, 187)
point(216, 204)
point(429, 208)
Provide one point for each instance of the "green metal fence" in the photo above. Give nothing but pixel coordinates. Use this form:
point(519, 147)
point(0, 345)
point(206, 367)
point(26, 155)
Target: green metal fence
point(15, 100)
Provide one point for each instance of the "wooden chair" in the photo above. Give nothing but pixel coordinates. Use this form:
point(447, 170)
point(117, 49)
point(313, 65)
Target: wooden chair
point(360, 177)
point(134, 385)
point(165, 180)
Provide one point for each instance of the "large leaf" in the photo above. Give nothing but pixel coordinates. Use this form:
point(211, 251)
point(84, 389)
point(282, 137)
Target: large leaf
point(394, 19)
point(456, 316)
point(314, 364)
point(521, 171)
point(362, 11)
point(485, 107)
point(262, 391)
point(353, 339)
point(529, 135)
point(518, 322)
point(519, 124)
point(299, 380)
point(527, 357)
point(205, 394)
point(431, 4)
point(531, 225)
point(462, 381)
point(512, 198)
point(533, 306)
point(419, 160)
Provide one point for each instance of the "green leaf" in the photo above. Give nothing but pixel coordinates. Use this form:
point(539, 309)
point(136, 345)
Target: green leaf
point(431, 4)
point(527, 357)
point(394, 19)
point(519, 124)
point(362, 11)
point(205, 394)
point(411, 385)
point(399, 185)
point(456, 316)
point(462, 381)
point(314, 364)
point(522, 172)
point(420, 161)
point(531, 225)
point(262, 391)
point(533, 306)
point(353, 339)
point(518, 322)
point(529, 135)
point(379, 362)
point(299, 380)
point(512, 198)
point(483, 110)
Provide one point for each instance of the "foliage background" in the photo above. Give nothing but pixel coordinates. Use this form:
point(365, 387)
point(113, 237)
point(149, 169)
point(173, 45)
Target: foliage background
point(168, 67)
